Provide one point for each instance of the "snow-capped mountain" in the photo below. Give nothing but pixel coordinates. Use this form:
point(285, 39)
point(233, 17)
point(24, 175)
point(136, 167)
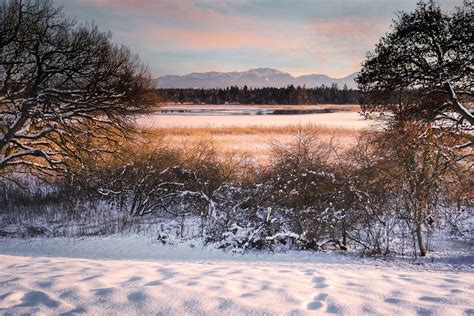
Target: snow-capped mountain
point(255, 78)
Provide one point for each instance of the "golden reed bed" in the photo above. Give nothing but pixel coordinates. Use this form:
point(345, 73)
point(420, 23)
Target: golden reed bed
point(255, 142)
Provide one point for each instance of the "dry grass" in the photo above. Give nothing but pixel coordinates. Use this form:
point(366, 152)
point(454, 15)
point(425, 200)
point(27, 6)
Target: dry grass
point(254, 130)
point(254, 142)
point(251, 135)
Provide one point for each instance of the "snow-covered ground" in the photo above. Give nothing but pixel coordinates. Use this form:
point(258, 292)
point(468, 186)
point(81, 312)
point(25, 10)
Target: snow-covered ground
point(351, 120)
point(134, 275)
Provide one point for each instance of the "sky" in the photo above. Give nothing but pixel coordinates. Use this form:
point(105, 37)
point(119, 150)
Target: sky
point(300, 37)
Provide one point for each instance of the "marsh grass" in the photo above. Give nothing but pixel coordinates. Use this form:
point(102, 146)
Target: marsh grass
point(253, 141)
point(254, 130)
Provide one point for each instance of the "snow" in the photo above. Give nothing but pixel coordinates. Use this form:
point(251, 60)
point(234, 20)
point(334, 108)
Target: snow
point(339, 120)
point(231, 116)
point(127, 275)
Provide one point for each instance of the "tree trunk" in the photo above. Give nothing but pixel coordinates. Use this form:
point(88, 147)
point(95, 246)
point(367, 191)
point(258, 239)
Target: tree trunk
point(419, 237)
point(344, 236)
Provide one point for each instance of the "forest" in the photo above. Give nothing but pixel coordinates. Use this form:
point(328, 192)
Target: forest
point(245, 95)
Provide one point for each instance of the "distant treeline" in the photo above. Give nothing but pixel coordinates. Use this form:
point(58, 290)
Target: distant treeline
point(245, 95)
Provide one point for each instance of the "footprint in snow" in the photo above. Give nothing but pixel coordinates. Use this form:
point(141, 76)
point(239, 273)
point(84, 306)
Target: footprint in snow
point(319, 282)
point(318, 301)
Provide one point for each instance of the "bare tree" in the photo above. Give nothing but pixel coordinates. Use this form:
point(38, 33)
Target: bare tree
point(420, 170)
point(65, 89)
point(423, 68)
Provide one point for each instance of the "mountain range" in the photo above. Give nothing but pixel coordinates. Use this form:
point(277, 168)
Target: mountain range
point(255, 78)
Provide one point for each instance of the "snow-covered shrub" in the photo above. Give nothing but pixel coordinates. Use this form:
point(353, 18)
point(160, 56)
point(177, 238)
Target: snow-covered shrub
point(244, 220)
point(306, 198)
point(305, 184)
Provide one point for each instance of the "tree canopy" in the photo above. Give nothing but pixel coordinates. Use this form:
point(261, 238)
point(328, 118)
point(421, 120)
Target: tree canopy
point(65, 88)
point(423, 68)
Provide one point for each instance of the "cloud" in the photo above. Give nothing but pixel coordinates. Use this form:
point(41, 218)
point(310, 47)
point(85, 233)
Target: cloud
point(352, 29)
point(304, 36)
point(169, 10)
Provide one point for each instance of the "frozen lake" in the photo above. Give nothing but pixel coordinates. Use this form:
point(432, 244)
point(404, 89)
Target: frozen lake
point(225, 116)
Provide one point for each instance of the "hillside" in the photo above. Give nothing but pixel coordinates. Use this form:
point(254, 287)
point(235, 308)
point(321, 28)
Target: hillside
point(255, 78)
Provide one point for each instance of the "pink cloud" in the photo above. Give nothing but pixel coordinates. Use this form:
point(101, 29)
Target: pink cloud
point(361, 31)
point(180, 25)
point(178, 10)
point(221, 38)
point(209, 29)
